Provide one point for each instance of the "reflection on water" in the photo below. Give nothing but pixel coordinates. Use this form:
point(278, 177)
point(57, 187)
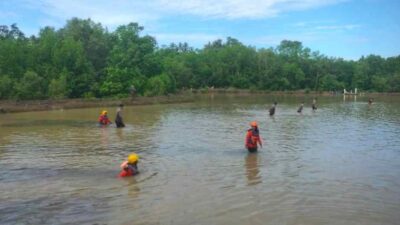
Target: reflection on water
point(252, 171)
point(339, 165)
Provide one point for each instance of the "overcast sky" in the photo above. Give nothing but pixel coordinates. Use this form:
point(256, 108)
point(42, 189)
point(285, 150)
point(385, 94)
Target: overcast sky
point(340, 28)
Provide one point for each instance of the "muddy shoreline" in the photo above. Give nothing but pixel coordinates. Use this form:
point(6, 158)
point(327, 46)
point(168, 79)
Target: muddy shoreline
point(14, 106)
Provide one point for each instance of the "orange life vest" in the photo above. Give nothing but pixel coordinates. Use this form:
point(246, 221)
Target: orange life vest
point(252, 138)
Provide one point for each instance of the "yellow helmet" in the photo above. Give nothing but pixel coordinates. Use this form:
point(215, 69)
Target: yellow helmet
point(132, 158)
point(104, 112)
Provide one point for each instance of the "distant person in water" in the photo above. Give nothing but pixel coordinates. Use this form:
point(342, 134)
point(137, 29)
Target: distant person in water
point(129, 167)
point(272, 109)
point(301, 108)
point(370, 100)
point(118, 119)
point(103, 118)
point(314, 104)
point(253, 138)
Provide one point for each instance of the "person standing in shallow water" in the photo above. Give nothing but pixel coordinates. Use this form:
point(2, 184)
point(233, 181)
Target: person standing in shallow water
point(253, 138)
point(103, 118)
point(301, 108)
point(314, 104)
point(370, 101)
point(118, 119)
point(272, 109)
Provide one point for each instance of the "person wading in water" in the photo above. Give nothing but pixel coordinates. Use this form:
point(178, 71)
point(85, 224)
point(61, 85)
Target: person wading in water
point(118, 119)
point(272, 109)
point(103, 119)
point(253, 138)
point(314, 104)
point(301, 108)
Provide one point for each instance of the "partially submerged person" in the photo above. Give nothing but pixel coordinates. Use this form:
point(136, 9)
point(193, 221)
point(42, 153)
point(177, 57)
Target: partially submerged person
point(118, 119)
point(301, 108)
point(253, 138)
point(272, 109)
point(314, 104)
point(103, 118)
point(129, 167)
point(370, 100)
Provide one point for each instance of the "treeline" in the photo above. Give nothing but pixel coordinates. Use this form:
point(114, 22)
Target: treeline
point(83, 59)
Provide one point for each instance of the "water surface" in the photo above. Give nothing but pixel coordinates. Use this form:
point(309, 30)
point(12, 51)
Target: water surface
point(338, 165)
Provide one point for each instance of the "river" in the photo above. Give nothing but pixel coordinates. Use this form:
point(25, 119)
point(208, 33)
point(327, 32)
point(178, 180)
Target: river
point(338, 165)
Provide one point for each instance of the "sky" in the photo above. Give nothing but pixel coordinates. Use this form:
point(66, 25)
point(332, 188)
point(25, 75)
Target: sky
point(338, 28)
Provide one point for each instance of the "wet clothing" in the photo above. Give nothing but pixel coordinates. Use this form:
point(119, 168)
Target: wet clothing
point(252, 139)
point(103, 120)
point(118, 119)
point(272, 110)
point(300, 109)
point(130, 170)
point(314, 107)
point(252, 149)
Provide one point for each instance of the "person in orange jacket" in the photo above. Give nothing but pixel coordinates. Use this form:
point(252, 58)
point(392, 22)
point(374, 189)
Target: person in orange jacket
point(129, 167)
point(103, 118)
point(253, 138)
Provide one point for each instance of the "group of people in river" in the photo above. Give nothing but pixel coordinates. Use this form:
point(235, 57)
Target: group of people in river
point(105, 121)
point(253, 138)
point(128, 167)
point(299, 110)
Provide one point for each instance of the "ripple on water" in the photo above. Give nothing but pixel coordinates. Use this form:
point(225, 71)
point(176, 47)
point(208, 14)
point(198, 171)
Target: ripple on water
point(338, 165)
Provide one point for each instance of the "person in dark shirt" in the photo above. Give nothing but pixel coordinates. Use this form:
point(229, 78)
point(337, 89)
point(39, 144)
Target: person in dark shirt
point(314, 104)
point(301, 108)
point(118, 119)
point(272, 109)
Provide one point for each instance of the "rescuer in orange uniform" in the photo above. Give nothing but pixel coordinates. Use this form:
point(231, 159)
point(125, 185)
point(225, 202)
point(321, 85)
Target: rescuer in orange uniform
point(253, 138)
point(129, 167)
point(103, 118)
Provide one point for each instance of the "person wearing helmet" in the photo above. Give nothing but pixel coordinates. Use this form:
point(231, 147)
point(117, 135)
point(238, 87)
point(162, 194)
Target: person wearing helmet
point(129, 167)
point(103, 119)
point(253, 138)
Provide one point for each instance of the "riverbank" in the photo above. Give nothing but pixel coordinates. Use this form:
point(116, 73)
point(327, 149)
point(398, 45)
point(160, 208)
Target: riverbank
point(13, 106)
point(9, 106)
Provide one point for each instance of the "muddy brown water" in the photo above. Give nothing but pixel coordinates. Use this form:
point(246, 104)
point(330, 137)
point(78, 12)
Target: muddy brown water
point(338, 165)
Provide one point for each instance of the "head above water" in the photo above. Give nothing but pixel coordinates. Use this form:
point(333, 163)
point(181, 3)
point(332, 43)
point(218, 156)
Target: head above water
point(253, 124)
point(133, 158)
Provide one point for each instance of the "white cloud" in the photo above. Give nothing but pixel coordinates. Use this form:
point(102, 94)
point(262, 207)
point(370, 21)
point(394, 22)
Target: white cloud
point(338, 27)
point(241, 9)
point(109, 13)
point(112, 13)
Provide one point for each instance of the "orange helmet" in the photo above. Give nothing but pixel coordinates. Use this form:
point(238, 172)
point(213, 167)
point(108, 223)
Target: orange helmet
point(253, 124)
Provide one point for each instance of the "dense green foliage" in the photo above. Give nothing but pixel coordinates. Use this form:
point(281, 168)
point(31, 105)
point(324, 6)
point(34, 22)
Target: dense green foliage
point(83, 59)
